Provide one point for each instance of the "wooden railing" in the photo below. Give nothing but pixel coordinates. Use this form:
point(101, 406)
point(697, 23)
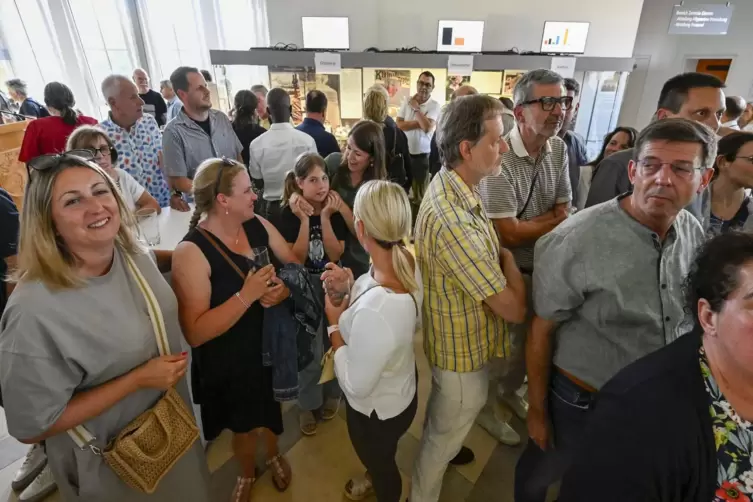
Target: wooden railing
point(12, 172)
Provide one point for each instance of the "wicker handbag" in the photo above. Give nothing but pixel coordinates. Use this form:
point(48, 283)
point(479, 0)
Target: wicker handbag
point(148, 447)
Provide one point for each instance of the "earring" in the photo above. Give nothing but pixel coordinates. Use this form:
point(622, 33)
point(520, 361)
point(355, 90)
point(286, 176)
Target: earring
point(227, 212)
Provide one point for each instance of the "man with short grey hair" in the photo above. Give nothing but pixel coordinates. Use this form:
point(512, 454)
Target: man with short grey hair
point(198, 133)
point(529, 198)
point(27, 106)
point(607, 286)
point(174, 105)
point(471, 286)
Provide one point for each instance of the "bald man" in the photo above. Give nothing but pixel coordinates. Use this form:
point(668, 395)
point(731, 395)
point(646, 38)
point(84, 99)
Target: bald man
point(735, 109)
point(154, 104)
point(435, 163)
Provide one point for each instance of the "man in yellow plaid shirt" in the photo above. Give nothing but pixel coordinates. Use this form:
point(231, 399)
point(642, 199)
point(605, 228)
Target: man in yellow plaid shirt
point(471, 285)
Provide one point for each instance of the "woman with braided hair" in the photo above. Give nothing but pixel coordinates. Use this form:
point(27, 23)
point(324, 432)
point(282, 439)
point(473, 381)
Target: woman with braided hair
point(223, 289)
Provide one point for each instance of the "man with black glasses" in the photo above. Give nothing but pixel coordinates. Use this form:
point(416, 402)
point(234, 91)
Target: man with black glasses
point(526, 201)
point(607, 290)
point(418, 118)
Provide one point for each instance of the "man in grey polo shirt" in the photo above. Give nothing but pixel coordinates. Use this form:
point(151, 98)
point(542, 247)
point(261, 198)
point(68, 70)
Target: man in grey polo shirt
point(527, 200)
point(694, 96)
point(197, 133)
point(607, 286)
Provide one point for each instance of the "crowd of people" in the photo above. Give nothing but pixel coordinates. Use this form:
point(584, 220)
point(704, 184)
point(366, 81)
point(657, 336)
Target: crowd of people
point(618, 287)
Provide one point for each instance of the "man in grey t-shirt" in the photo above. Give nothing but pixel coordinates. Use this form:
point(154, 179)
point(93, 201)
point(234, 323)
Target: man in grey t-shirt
point(607, 285)
point(694, 96)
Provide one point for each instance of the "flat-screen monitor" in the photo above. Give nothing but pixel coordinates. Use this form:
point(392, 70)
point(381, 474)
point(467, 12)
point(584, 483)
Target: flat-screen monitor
point(326, 33)
point(561, 37)
point(460, 36)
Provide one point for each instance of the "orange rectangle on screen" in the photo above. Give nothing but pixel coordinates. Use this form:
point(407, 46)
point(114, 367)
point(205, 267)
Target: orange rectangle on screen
point(459, 41)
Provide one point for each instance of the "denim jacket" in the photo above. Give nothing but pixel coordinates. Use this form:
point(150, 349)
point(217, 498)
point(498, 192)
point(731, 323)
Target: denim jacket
point(289, 329)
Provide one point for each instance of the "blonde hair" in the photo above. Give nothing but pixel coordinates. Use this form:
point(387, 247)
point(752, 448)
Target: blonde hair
point(385, 211)
point(205, 184)
point(375, 106)
point(84, 135)
point(304, 164)
point(43, 255)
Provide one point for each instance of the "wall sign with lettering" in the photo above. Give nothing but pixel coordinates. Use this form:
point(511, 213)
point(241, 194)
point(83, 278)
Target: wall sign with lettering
point(707, 19)
point(327, 63)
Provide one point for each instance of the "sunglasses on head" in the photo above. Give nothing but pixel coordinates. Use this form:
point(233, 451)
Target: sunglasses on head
point(226, 162)
point(53, 161)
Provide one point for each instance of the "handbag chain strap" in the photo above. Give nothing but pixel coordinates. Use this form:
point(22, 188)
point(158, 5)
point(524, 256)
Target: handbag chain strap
point(79, 434)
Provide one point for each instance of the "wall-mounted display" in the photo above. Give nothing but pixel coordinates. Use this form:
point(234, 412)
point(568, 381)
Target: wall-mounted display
point(460, 36)
point(325, 33)
point(487, 82)
point(509, 80)
point(564, 37)
point(707, 19)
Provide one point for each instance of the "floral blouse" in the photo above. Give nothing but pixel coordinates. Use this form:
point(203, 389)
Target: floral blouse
point(734, 443)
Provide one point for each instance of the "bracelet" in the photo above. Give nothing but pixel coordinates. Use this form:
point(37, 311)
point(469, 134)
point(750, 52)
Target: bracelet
point(245, 304)
point(332, 329)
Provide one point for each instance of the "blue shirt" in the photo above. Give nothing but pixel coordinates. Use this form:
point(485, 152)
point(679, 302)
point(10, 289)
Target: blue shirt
point(325, 142)
point(174, 106)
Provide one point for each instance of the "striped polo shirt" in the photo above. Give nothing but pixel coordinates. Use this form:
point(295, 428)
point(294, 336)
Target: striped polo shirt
point(457, 251)
point(505, 195)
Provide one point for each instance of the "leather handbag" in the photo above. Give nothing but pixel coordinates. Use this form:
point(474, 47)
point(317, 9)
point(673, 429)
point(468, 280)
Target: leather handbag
point(148, 447)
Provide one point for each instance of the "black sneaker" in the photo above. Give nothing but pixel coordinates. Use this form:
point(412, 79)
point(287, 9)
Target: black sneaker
point(464, 457)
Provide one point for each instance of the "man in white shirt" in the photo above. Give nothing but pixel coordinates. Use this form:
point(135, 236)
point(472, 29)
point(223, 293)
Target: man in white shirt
point(735, 109)
point(274, 153)
point(418, 118)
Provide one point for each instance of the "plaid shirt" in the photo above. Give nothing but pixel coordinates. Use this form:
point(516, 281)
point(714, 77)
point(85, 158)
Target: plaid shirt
point(459, 254)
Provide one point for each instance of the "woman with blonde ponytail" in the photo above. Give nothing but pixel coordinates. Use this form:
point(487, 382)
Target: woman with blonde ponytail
point(372, 336)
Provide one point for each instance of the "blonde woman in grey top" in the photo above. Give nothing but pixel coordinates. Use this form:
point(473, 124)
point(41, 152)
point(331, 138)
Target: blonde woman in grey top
point(76, 344)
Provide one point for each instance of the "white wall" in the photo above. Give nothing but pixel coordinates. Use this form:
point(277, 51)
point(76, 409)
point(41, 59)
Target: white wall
point(390, 24)
point(669, 53)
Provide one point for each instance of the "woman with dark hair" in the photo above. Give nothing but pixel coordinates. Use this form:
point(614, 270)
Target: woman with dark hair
point(245, 120)
point(620, 139)
point(49, 134)
point(676, 425)
point(731, 207)
point(363, 160)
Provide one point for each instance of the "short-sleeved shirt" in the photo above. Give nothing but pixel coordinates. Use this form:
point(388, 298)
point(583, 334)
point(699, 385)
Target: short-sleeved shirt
point(48, 135)
point(316, 258)
point(613, 287)
point(274, 153)
point(505, 195)
point(186, 144)
point(139, 151)
point(130, 188)
point(325, 141)
point(458, 252)
point(9, 227)
point(739, 222)
point(154, 105)
point(419, 141)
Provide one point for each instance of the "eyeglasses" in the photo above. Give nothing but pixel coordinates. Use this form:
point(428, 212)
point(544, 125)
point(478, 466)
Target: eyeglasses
point(548, 103)
point(104, 151)
point(650, 167)
point(53, 161)
point(749, 159)
point(225, 163)
point(424, 84)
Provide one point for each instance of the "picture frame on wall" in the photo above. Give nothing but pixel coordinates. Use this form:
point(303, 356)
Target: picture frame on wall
point(509, 80)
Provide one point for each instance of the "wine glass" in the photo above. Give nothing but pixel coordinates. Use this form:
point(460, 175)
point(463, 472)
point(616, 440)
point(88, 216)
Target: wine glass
point(259, 259)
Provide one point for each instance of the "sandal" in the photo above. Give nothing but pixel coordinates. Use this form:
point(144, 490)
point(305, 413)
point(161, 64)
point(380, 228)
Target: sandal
point(281, 475)
point(307, 422)
point(329, 410)
point(242, 490)
point(359, 488)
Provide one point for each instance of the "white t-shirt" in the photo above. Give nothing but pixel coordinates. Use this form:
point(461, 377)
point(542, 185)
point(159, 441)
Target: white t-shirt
point(377, 368)
point(129, 188)
point(419, 141)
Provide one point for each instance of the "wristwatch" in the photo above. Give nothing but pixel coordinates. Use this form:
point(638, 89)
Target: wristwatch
point(332, 329)
point(177, 193)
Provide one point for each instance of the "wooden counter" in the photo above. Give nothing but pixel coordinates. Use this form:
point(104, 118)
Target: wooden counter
point(12, 172)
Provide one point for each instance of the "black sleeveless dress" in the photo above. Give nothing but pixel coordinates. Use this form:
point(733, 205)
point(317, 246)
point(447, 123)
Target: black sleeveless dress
point(229, 381)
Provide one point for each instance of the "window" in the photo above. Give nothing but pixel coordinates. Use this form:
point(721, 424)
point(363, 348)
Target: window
point(103, 28)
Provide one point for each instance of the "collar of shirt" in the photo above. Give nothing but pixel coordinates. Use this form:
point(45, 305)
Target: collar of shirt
point(640, 228)
point(115, 125)
point(182, 119)
point(732, 124)
point(519, 148)
point(470, 199)
point(281, 126)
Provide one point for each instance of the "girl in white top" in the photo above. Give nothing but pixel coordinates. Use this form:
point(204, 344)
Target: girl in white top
point(372, 336)
point(95, 139)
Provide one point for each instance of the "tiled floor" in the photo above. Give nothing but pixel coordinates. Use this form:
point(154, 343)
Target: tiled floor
point(323, 463)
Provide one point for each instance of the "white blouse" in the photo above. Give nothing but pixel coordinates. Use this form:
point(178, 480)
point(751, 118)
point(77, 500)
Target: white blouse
point(584, 185)
point(377, 368)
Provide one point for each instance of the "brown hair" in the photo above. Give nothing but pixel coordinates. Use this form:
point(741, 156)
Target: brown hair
point(369, 137)
point(304, 164)
point(205, 186)
point(84, 135)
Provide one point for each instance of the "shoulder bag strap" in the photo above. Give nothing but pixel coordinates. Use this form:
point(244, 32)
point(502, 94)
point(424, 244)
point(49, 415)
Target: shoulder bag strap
point(530, 194)
point(394, 142)
point(80, 434)
point(213, 242)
